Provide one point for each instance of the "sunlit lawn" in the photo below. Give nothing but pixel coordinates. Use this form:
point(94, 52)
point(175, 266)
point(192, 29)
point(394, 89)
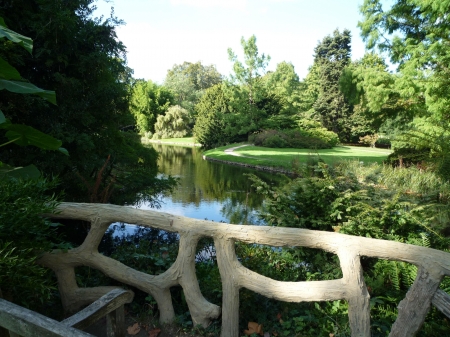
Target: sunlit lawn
point(174, 141)
point(255, 155)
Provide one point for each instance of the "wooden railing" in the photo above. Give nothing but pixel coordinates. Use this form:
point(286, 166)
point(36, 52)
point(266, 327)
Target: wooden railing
point(21, 322)
point(432, 265)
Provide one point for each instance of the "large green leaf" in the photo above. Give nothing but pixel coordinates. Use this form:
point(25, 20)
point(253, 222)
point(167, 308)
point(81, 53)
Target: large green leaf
point(7, 71)
point(63, 150)
point(26, 135)
point(24, 41)
point(27, 172)
point(27, 88)
point(2, 117)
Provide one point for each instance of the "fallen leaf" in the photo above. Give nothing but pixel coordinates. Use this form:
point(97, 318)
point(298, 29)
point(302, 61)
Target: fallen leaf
point(154, 333)
point(254, 327)
point(133, 329)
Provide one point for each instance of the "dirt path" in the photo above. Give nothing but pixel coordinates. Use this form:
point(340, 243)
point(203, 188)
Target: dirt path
point(230, 151)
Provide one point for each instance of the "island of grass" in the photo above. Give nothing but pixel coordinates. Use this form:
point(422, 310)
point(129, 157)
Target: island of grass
point(288, 159)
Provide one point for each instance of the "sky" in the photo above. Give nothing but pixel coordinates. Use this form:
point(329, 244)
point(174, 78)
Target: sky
point(161, 33)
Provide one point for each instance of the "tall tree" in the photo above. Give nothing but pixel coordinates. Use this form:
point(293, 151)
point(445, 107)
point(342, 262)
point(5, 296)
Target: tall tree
point(283, 91)
point(209, 129)
point(249, 75)
point(148, 101)
point(188, 81)
point(246, 88)
point(414, 34)
point(370, 87)
point(331, 56)
point(80, 58)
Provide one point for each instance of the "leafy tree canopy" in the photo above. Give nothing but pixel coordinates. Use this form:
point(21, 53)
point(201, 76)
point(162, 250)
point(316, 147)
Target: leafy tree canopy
point(81, 59)
point(173, 124)
point(188, 81)
point(414, 35)
point(148, 101)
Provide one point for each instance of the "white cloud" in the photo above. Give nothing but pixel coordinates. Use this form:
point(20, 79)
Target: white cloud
point(232, 4)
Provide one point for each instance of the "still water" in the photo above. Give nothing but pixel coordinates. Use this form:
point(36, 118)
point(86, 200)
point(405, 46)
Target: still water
point(209, 190)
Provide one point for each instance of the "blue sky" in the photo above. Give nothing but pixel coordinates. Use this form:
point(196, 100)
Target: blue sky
point(161, 33)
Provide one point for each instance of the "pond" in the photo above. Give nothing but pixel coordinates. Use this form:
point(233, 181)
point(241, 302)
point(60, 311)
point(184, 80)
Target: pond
point(210, 190)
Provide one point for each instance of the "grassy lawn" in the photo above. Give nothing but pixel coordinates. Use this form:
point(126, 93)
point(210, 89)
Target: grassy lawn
point(188, 141)
point(263, 156)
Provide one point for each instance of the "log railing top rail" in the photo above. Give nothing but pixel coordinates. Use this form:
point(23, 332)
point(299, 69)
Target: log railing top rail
point(432, 265)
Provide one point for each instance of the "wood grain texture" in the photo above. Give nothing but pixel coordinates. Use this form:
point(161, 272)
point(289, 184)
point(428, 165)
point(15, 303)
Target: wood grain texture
point(28, 323)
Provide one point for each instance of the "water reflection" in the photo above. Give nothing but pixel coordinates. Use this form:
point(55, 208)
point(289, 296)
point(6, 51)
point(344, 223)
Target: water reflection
point(210, 190)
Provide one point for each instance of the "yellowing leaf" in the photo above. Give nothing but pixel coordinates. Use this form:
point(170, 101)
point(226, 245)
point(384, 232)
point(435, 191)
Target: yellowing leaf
point(133, 329)
point(154, 333)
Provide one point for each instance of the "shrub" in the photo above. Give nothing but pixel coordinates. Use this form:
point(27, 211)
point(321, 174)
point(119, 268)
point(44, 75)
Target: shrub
point(275, 141)
point(315, 129)
point(300, 139)
point(174, 124)
point(287, 139)
point(25, 235)
point(383, 142)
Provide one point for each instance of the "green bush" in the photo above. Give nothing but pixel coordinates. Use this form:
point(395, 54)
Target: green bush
point(383, 142)
point(316, 130)
point(340, 200)
point(24, 235)
point(287, 139)
point(275, 141)
point(174, 124)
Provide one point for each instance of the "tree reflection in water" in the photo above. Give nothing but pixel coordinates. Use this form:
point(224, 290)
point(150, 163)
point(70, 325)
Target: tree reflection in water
point(208, 190)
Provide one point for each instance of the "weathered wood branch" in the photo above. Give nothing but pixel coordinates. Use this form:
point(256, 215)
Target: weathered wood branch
point(28, 323)
point(227, 262)
point(357, 294)
point(100, 308)
point(266, 235)
point(433, 265)
point(441, 300)
point(414, 307)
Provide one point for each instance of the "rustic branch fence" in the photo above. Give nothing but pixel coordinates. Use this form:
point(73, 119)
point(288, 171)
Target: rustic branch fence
point(432, 265)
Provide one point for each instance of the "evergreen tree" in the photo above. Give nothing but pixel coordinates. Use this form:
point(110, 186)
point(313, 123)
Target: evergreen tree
point(80, 58)
point(209, 129)
point(331, 56)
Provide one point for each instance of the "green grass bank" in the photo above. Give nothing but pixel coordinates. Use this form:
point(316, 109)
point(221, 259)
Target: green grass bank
point(289, 159)
point(188, 141)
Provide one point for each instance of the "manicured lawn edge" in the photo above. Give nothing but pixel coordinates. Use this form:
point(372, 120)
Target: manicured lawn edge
point(189, 141)
point(253, 157)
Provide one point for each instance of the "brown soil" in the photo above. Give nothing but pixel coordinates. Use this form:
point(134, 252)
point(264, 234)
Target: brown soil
point(147, 329)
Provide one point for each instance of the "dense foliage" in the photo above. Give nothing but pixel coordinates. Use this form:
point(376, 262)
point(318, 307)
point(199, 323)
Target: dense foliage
point(173, 124)
point(148, 101)
point(188, 81)
point(80, 58)
point(414, 34)
point(354, 200)
point(209, 129)
point(25, 235)
point(100, 106)
point(288, 139)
